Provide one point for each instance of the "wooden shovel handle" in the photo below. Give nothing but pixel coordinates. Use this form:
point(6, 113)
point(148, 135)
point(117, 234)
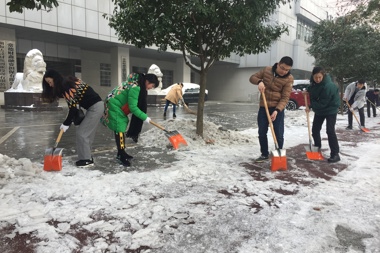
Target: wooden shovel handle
point(157, 125)
point(269, 119)
point(307, 113)
point(58, 138)
point(353, 113)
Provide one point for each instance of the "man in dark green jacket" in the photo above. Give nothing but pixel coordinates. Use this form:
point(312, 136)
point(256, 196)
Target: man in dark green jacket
point(324, 101)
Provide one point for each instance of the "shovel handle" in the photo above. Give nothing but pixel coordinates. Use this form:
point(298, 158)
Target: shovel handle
point(157, 125)
point(58, 138)
point(307, 115)
point(353, 113)
point(269, 119)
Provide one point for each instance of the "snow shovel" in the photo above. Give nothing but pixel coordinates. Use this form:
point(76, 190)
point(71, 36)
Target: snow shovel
point(279, 161)
point(366, 130)
point(174, 137)
point(53, 156)
point(187, 109)
point(312, 152)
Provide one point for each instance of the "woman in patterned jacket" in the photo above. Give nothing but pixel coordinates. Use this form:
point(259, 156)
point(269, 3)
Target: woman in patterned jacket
point(128, 98)
point(77, 94)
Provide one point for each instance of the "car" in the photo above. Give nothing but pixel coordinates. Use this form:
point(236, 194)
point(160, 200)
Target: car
point(190, 92)
point(296, 99)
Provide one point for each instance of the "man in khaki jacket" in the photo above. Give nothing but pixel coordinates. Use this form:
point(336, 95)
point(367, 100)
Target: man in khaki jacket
point(276, 82)
point(173, 97)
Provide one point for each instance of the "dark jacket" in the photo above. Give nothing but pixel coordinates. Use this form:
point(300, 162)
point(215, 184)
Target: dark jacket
point(324, 96)
point(373, 97)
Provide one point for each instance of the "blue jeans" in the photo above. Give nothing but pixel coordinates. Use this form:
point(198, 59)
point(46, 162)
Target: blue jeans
point(263, 124)
point(167, 104)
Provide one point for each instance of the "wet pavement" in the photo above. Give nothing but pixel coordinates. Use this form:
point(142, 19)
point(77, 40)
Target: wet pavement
point(27, 134)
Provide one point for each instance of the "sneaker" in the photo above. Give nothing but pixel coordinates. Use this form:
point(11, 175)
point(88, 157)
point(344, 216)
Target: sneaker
point(334, 158)
point(261, 159)
point(174, 116)
point(84, 163)
point(349, 128)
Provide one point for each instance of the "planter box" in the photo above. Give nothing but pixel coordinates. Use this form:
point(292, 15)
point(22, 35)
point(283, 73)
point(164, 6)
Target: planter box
point(27, 101)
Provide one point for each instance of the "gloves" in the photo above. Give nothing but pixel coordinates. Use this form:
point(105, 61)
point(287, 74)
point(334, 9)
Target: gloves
point(64, 127)
point(351, 109)
point(147, 120)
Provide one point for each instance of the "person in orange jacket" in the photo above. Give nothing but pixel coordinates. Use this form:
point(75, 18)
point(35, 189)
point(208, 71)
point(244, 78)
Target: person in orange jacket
point(173, 97)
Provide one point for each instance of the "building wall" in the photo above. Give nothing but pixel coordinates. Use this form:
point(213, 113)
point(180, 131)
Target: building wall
point(83, 19)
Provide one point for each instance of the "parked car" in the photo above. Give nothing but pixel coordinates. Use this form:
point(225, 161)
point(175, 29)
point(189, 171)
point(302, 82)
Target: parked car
point(297, 99)
point(190, 92)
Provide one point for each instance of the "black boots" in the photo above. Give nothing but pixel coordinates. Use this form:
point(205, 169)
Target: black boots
point(122, 156)
point(334, 158)
point(174, 116)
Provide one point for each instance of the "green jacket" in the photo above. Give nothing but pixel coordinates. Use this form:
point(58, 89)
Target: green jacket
point(119, 103)
point(324, 96)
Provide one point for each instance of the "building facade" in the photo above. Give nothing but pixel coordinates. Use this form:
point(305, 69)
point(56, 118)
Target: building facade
point(76, 40)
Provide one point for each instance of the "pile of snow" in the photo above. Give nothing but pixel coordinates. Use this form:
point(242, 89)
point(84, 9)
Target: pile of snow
point(205, 201)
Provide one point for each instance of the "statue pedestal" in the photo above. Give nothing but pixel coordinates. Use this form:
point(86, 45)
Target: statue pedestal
point(27, 101)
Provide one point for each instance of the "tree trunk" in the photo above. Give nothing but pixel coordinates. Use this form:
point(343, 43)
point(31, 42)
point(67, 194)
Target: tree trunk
point(201, 102)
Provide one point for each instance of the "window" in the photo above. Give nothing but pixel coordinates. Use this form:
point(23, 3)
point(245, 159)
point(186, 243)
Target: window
point(167, 78)
point(136, 69)
point(304, 30)
point(105, 74)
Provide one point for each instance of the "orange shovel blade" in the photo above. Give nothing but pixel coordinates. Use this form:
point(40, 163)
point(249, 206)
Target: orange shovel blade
point(177, 140)
point(364, 129)
point(279, 163)
point(314, 155)
point(53, 159)
point(53, 162)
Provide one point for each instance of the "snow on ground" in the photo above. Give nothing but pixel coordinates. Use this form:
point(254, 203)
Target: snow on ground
point(205, 201)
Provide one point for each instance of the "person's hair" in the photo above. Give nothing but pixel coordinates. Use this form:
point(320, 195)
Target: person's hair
point(151, 78)
point(287, 60)
point(181, 84)
point(50, 94)
point(317, 70)
point(376, 90)
point(361, 81)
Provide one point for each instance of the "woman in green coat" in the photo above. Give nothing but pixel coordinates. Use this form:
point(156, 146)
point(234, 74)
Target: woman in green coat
point(324, 101)
point(129, 97)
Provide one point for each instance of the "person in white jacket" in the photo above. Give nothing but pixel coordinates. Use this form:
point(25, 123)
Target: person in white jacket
point(357, 101)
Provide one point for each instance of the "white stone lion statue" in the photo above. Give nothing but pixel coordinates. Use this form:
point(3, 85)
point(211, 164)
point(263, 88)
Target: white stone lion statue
point(154, 69)
point(34, 69)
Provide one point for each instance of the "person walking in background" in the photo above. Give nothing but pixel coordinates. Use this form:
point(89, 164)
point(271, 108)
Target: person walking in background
point(128, 98)
point(76, 93)
point(359, 101)
point(174, 95)
point(372, 101)
point(325, 102)
point(276, 82)
point(350, 96)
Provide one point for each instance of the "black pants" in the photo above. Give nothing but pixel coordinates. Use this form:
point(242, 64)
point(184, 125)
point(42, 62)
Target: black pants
point(361, 116)
point(369, 105)
point(330, 130)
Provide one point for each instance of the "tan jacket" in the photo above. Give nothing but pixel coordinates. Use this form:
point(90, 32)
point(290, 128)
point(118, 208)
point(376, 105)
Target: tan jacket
point(175, 94)
point(277, 88)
